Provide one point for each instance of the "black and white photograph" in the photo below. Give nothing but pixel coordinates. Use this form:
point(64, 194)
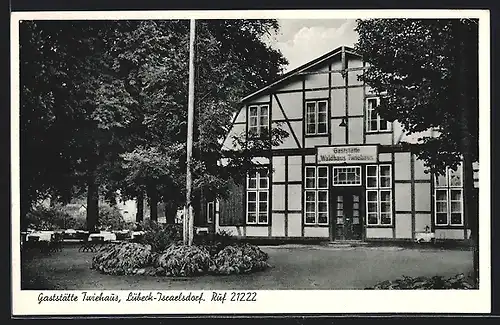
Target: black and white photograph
point(201, 162)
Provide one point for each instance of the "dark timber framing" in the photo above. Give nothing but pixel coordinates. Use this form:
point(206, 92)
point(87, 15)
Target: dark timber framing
point(316, 89)
point(393, 194)
point(329, 105)
point(346, 85)
point(296, 71)
point(303, 112)
point(286, 196)
point(364, 109)
point(270, 173)
point(302, 201)
point(412, 193)
point(287, 120)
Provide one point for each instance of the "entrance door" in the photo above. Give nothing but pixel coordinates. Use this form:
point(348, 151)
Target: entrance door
point(349, 216)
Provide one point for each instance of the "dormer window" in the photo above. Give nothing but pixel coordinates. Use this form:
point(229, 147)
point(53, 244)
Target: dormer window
point(258, 120)
point(374, 123)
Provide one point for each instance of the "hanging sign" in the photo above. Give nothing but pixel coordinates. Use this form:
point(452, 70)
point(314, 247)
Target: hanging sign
point(347, 155)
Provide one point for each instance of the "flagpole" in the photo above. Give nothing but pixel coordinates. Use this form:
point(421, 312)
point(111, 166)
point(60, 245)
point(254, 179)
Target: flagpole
point(188, 216)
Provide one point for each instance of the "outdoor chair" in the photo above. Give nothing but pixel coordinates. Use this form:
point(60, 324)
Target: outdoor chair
point(31, 243)
point(56, 242)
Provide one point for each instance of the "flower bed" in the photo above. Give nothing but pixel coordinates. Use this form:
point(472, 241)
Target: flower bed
point(122, 258)
point(179, 260)
point(239, 259)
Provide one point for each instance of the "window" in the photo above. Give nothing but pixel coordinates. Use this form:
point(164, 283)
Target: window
point(374, 123)
point(448, 198)
point(258, 120)
point(316, 195)
point(346, 175)
point(379, 194)
point(210, 212)
point(316, 117)
point(258, 197)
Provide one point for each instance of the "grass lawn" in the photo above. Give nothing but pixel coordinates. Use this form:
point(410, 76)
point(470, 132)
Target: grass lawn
point(301, 267)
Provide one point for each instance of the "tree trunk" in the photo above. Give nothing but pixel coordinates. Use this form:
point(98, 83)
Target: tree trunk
point(92, 203)
point(170, 212)
point(465, 106)
point(139, 217)
point(153, 203)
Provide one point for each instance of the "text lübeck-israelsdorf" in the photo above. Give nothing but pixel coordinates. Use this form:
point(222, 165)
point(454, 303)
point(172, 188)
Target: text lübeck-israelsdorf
point(85, 296)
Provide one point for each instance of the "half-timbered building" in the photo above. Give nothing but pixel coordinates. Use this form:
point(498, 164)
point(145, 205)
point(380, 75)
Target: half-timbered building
point(342, 173)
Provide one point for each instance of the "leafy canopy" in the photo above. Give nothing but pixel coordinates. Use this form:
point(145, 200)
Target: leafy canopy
point(416, 65)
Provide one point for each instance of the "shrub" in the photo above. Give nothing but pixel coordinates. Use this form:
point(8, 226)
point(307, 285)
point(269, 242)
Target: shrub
point(423, 283)
point(214, 243)
point(180, 260)
point(122, 258)
point(239, 259)
point(49, 218)
point(161, 236)
point(110, 217)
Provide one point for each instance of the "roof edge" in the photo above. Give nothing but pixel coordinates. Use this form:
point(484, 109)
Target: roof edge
point(301, 68)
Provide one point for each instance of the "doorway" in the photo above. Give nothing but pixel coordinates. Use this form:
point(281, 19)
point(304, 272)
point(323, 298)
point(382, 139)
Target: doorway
point(348, 214)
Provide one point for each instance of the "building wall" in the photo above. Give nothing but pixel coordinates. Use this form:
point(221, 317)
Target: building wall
point(412, 188)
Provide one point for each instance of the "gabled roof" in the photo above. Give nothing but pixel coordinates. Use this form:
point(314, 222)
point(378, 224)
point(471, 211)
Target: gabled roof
point(287, 76)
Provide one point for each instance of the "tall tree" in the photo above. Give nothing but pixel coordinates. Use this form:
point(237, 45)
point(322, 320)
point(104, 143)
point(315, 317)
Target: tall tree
point(157, 67)
point(103, 105)
point(66, 134)
point(428, 72)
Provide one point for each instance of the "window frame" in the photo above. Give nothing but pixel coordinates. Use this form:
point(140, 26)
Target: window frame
point(316, 118)
point(257, 190)
point(379, 189)
point(448, 188)
point(258, 126)
point(316, 190)
point(369, 119)
point(346, 184)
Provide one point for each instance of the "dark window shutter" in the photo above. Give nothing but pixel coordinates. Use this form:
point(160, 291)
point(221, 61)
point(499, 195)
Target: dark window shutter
point(232, 209)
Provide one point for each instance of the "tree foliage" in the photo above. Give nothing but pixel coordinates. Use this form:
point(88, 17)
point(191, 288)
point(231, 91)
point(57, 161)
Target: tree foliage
point(429, 71)
point(104, 104)
point(417, 63)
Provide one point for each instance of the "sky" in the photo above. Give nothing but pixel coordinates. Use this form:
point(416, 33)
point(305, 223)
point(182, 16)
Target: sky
point(302, 40)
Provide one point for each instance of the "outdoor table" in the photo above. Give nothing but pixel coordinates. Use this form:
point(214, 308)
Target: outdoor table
point(38, 236)
point(97, 239)
point(137, 235)
point(46, 240)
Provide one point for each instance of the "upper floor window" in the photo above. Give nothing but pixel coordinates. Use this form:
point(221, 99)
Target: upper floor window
point(374, 123)
point(448, 198)
point(258, 119)
point(316, 117)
